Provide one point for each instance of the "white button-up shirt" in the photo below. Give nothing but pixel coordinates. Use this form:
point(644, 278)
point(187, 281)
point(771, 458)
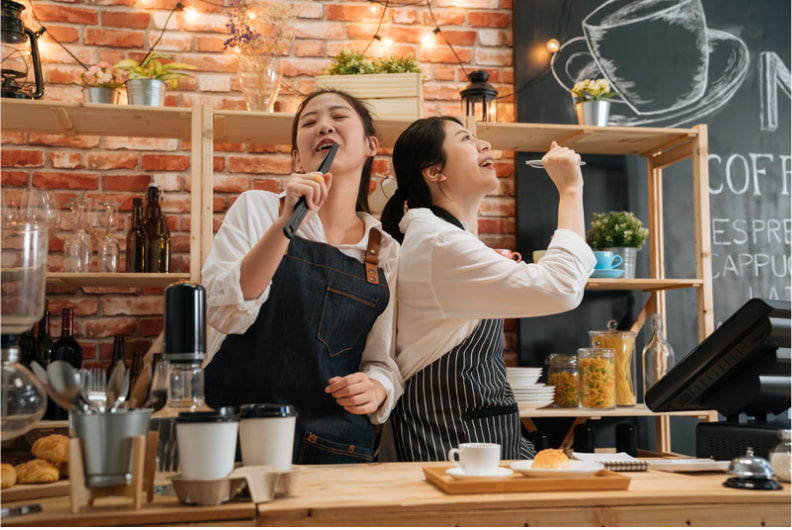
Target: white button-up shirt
point(228, 312)
point(449, 280)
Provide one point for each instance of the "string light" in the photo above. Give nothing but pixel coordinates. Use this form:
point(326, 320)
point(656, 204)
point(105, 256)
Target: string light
point(553, 45)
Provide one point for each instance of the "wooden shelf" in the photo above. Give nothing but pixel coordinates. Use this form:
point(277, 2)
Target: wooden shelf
point(618, 412)
point(96, 119)
point(537, 137)
point(274, 128)
point(120, 279)
point(642, 284)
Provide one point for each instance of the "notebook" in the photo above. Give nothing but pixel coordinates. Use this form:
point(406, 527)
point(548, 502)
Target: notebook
point(614, 461)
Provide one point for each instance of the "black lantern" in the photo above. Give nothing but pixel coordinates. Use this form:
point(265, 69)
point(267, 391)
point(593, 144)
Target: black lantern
point(19, 50)
point(479, 98)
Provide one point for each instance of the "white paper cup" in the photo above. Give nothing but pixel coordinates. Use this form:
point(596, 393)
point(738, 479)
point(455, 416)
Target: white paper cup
point(207, 443)
point(476, 458)
point(266, 435)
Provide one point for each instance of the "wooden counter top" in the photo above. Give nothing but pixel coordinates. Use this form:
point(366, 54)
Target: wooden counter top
point(397, 494)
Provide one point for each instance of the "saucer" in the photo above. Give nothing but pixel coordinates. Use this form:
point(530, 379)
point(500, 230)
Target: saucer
point(607, 273)
point(459, 473)
point(728, 65)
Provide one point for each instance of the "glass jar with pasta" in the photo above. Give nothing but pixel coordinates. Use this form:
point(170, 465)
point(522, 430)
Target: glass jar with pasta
point(623, 343)
point(597, 378)
point(563, 375)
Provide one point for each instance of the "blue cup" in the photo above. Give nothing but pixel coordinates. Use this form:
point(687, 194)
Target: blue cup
point(606, 260)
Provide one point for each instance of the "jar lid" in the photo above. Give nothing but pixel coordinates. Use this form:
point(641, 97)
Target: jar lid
point(266, 410)
point(221, 415)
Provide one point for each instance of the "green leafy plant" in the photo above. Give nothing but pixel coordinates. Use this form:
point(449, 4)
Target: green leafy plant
point(349, 62)
point(152, 68)
point(592, 90)
point(616, 229)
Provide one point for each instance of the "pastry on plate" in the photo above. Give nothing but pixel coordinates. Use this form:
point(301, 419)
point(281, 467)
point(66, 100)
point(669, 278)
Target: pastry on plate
point(37, 471)
point(54, 448)
point(9, 476)
point(550, 459)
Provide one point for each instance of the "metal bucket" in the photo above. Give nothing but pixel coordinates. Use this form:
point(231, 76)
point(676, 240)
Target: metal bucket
point(98, 94)
point(149, 92)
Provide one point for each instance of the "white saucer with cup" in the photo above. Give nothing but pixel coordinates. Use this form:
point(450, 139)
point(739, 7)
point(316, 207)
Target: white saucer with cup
point(477, 460)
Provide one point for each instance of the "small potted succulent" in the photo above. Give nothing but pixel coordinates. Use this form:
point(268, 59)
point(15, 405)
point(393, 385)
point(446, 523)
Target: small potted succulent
point(392, 86)
point(100, 83)
point(148, 79)
point(620, 232)
point(592, 101)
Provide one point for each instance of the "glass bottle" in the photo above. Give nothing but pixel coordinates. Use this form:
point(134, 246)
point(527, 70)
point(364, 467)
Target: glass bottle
point(159, 248)
point(66, 348)
point(109, 249)
point(44, 341)
point(27, 347)
point(135, 369)
point(78, 246)
point(563, 375)
point(657, 355)
point(157, 234)
point(118, 355)
point(136, 241)
point(779, 456)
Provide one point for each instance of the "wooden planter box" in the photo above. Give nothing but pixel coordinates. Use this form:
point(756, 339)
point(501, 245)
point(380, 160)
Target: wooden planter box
point(388, 95)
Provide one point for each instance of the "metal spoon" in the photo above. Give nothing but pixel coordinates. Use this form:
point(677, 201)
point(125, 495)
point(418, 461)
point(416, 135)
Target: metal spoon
point(64, 381)
point(117, 386)
point(41, 375)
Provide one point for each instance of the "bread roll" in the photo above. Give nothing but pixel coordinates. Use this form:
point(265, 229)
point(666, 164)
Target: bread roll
point(550, 459)
point(37, 471)
point(54, 448)
point(9, 476)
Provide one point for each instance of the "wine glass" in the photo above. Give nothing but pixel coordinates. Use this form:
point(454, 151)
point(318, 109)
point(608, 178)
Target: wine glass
point(41, 207)
point(109, 249)
point(78, 246)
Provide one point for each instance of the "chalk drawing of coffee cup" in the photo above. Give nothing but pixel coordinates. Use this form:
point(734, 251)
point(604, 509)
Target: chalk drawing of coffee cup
point(659, 56)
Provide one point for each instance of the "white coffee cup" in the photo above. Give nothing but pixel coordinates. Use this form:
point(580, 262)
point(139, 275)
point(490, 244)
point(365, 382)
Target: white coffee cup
point(476, 458)
point(266, 435)
point(207, 443)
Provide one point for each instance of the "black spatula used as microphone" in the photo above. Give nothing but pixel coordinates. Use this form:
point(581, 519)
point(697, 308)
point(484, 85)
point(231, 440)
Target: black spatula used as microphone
point(301, 208)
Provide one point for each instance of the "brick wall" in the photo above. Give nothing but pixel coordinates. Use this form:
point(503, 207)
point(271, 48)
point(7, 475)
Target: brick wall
point(120, 168)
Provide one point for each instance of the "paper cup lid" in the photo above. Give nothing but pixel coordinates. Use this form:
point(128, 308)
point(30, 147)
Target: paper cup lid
point(223, 414)
point(266, 410)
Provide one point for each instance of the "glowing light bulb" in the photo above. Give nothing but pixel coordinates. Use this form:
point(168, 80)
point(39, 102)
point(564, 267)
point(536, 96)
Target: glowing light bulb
point(388, 42)
point(553, 45)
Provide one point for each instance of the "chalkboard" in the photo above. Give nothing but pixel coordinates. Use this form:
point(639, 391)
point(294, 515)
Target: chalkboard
point(676, 63)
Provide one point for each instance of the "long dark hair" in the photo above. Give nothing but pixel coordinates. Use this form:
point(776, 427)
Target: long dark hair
point(420, 146)
point(362, 110)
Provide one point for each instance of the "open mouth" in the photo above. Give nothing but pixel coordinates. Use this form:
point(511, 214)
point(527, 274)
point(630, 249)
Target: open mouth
point(325, 145)
point(487, 163)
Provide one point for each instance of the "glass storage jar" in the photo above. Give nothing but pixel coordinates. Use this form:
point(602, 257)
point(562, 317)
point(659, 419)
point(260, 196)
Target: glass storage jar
point(597, 378)
point(563, 375)
point(780, 456)
point(623, 344)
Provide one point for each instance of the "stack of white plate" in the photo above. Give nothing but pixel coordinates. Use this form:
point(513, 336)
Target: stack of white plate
point(527, 391)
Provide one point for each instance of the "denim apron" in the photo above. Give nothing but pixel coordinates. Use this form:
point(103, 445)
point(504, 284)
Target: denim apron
point(313, 326)
point(462, 397)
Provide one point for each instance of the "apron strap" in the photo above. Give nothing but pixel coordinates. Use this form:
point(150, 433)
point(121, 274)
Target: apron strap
point(372, 256)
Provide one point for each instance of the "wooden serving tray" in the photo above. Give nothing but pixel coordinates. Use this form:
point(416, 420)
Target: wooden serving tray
point(23, 492)
point(602, 480)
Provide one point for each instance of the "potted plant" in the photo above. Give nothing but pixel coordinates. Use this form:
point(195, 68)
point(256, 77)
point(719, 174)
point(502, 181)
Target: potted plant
point(100, 83)
point(620, 232)
point(592, 101)
point(147, 79)
point(391, 85)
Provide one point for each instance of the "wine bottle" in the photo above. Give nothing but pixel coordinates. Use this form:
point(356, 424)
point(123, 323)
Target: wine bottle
point(134, 371)
point(43, 340)
point(66, 348)
point(157, 234)
point(136, 242)
point(27, 348)
point(118, 355)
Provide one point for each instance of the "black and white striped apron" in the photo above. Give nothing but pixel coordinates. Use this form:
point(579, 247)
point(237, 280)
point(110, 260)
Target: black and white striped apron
point(462, 397)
